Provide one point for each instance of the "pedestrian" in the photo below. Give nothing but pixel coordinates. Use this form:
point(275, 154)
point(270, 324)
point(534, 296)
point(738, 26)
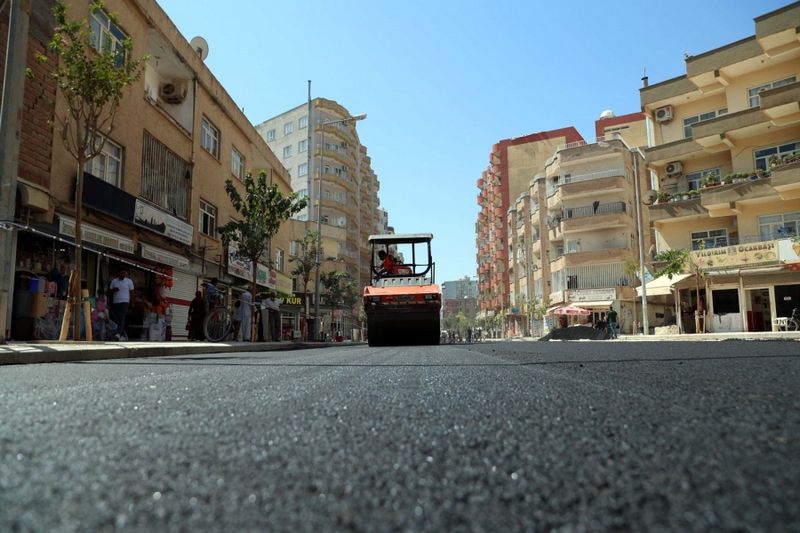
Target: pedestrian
point(469, 335)
point(197, 315)
point(245, 316)
point(121, 288)
point(612, 322)
point(274, 310)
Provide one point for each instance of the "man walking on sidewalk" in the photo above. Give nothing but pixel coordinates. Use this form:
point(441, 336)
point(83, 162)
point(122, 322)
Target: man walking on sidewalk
point(121, 287)
point(612, 322)
point(274, 310)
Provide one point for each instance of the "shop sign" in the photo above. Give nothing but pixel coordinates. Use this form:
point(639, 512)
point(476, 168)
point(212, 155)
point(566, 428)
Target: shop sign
point(164, 257)
point(156, 220)
point(283, 283)
point(741, 255)
point(590, 295)
point(293, 300)
point(93, 234)
point(238, 266)
point(789, 250)
point(266, 277)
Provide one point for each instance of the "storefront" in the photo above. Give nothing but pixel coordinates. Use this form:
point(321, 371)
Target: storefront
point(746, 287)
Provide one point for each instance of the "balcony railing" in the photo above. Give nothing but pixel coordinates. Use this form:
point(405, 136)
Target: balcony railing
point(592, 210)
point(720, 242)
point(589, 277)
point(594, 175)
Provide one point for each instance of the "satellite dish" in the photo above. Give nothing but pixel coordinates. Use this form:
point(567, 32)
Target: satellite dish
point(650, 197)
point(608, 113)
point(200, 46)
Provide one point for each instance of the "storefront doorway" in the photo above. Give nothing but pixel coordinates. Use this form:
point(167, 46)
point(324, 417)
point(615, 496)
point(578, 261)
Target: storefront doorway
point(757, 306)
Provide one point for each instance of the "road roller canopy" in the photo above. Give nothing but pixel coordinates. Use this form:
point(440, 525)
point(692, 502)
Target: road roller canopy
point(402, 259)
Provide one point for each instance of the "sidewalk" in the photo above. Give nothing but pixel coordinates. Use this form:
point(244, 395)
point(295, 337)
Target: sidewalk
point(55, 352)
point(690, 337)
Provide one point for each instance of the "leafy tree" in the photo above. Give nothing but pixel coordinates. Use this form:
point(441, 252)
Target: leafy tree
point(91, 82)
point(306, 262)
point(262, 210)
point(680, 262)
point(340, 290)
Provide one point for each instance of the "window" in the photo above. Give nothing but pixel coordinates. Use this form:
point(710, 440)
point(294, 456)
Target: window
point(302, 146)
point(294, 248)
point(106, 36)
point(303, 122)
point(302, 169)
point(753, 95)
point(779, 226)
point(237, 163)
point(166, 178)
point(695, 179)
point(208, 219)
point(271, 135)
point(287, 151)
point(687, 122)
point(763, 155)
point(209, 137)
point(107, 165)
point(279, 260)
point(288, 128)
point(715, 238)
point(302, 193)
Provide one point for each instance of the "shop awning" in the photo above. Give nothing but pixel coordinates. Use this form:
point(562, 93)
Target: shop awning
point(605, 304)
point(662, 285)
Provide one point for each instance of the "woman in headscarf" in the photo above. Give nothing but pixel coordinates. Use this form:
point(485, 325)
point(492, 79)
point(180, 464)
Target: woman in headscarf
point(197, 315)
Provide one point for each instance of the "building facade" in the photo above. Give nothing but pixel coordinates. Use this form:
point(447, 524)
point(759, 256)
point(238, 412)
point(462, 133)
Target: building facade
point(350, 206)
point(725, 138)
point(512, 164)
point(573, 235)
point(153, 199)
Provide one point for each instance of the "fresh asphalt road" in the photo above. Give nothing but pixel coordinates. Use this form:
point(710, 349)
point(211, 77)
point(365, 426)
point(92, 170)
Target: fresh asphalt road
point(581, 436)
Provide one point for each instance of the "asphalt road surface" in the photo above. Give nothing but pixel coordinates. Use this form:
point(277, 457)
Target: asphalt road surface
point(581, 436)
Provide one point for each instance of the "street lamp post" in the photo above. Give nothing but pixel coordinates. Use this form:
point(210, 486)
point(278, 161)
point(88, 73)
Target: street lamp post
point(317, 321)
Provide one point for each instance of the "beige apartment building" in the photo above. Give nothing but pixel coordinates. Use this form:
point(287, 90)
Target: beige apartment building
point(512, 163)
point(724, 143)
point(154, 198)
point(572, 231)
point(350, 206)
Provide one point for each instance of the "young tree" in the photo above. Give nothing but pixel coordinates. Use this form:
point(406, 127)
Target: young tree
point(340, 290)
point(305, 264)
point(680, 262)
point(262, 210)
point(91, 75)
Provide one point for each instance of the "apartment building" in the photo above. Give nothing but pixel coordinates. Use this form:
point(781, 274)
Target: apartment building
point(573, 230)
point(512, 163)
point(154, 198)
point(349, 207)
point(725, 138)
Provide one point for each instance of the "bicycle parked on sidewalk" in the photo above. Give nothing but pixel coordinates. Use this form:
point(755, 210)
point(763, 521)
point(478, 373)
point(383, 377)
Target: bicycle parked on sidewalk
point(793, 322)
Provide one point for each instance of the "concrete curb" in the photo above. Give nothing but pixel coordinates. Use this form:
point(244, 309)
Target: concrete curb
point(52, 352)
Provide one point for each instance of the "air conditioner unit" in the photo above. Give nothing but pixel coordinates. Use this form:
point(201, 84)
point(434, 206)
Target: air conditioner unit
point(172, 92)
point(674, 168)
point(664, 114)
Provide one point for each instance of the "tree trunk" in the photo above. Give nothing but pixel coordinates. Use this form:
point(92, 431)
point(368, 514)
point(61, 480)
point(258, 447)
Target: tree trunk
point(253, 324)
point(76, 297)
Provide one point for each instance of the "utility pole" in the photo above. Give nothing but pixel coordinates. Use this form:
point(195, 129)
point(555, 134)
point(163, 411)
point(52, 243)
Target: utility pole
point(10, 132)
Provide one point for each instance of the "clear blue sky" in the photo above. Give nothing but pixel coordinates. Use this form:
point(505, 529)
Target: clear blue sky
point(443, 80)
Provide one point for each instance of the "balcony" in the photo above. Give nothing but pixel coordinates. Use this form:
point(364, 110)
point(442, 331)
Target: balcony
point(782, 104)
point(609, 181)
point(786, 181)
point(598, 276)
point(677, 210)
point(722, 133)
point(722, 200)
point(596, 257)
point(682, 149)
point(595, 217)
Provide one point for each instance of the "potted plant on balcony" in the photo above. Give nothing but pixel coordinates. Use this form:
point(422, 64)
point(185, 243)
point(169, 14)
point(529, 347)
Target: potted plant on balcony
point(710, 180)
point(693, 194)
point(663, 197)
